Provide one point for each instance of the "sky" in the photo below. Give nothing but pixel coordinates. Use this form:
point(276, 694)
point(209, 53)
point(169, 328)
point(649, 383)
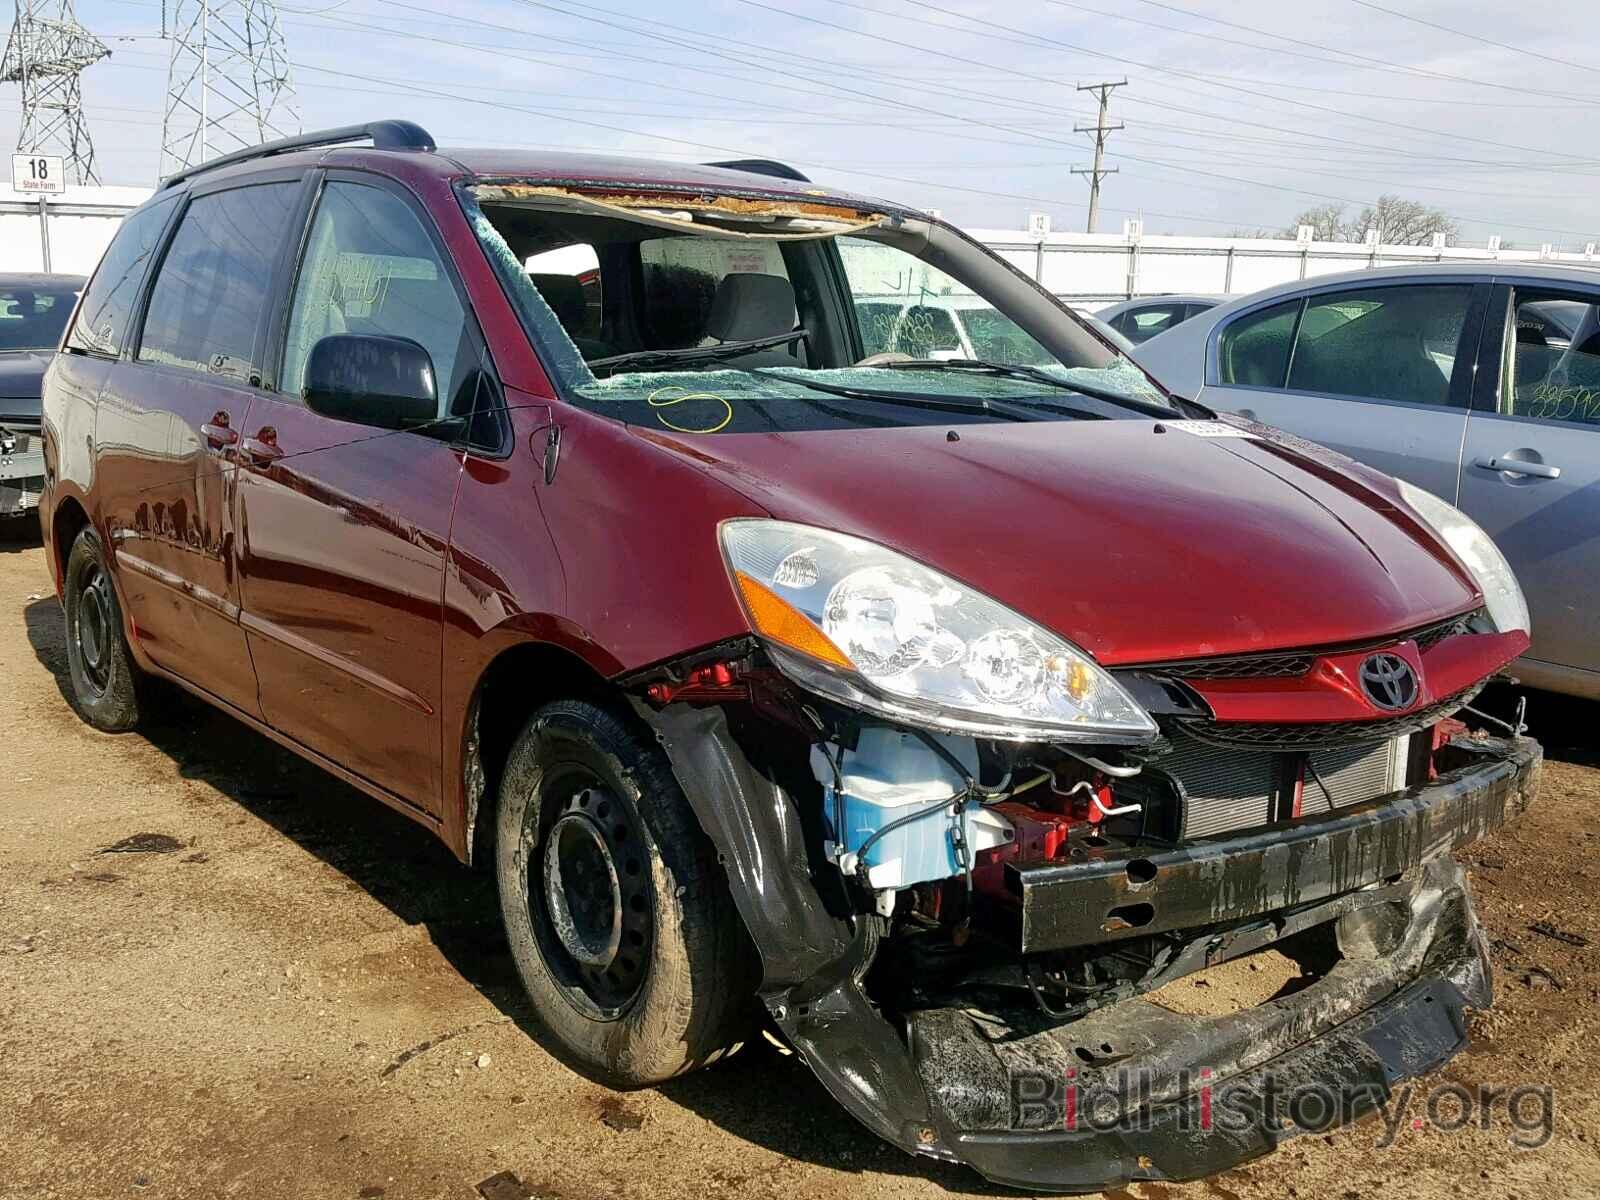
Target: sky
point(1236, 115)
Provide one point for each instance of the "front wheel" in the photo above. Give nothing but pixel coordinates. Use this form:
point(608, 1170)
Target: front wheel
point(104, 679)
point(617, 912)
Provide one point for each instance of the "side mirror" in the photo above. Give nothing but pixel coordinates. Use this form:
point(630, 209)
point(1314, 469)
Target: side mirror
point(371, 379)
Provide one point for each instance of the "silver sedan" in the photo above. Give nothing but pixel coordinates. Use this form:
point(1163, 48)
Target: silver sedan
point(1478, 383)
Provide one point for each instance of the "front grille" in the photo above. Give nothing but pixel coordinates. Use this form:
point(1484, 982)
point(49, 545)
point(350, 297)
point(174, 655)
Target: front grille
point(1243, 666)
point(1225, 790)
point(1319, 735)
point(1427, 638)
point(1289, 664)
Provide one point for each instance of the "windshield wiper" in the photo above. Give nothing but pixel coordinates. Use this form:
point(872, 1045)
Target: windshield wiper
point(645, 358)
point(1019, 371)
point(950, 404)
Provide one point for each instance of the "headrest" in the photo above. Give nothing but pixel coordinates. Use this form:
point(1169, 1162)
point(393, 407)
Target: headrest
point(564, 295)
point(749, 306)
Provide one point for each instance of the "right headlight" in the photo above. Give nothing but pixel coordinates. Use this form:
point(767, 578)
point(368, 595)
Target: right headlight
point(1502, 594)
point(871, 628)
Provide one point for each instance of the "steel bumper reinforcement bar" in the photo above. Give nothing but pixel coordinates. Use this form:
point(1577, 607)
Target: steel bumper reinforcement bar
point(1111, 894)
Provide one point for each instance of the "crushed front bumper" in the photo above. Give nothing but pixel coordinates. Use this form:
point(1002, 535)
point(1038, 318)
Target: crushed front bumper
point(1156, 1095)
point(988, 1084)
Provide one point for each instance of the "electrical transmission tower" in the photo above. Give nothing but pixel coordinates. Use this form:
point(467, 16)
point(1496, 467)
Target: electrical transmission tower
point(228, 80)
point(46, 53)
point(1101, 130)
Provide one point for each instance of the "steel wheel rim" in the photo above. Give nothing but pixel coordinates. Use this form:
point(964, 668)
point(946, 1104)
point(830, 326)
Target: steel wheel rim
point(93, 629)
point(592, 889)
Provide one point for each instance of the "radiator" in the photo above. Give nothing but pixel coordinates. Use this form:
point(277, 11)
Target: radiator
point(1227, 789)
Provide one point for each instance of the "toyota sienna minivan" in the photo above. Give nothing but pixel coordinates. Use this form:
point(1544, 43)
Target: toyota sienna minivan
point(927, 713)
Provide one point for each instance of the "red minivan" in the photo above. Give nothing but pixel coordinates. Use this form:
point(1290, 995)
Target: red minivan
point(648, 532)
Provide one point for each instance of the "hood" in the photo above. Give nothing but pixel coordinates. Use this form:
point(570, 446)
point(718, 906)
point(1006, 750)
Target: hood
point(21, 377)
point(1136, 540)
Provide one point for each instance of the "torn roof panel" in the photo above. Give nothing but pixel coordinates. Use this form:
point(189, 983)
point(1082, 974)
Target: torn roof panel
point(617, 171)
point(716, 213)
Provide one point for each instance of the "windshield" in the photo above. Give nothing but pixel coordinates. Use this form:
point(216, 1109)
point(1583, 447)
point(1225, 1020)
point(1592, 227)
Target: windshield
point(33, 318)
point(838, 318)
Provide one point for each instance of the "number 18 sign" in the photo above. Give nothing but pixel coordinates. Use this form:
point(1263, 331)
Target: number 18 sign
point(37, 173)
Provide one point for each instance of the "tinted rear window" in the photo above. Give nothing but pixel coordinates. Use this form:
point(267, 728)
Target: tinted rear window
point(103, 316)
point(209, 296)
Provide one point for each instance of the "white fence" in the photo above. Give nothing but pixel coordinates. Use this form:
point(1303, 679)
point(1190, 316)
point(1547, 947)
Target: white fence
point(1087, 270)
point(1091, 270)
point(68, 233)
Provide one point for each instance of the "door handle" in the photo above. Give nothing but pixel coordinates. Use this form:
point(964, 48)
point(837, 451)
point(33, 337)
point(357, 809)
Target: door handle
point(262, 450)
point(218, 433)
point(1519, 466)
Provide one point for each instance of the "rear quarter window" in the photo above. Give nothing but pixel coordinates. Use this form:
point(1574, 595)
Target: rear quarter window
point(108, 300)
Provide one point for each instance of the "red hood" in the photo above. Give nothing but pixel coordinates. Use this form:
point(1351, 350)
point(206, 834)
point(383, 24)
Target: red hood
point(1137, 546)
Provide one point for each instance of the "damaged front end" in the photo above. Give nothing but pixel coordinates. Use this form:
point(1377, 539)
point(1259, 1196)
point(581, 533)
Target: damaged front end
point(960, 932)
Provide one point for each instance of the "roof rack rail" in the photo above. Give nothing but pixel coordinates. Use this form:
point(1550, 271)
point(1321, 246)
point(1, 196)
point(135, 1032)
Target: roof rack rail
point(384, 135)
point(760, 166)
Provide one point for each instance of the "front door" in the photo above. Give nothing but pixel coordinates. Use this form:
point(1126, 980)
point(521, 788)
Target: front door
point(1381, 373)
point(343, 528)
point(168, 428)
point(1530, 472)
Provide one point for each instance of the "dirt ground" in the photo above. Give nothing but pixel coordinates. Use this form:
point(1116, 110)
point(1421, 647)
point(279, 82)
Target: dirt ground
point(293, 992)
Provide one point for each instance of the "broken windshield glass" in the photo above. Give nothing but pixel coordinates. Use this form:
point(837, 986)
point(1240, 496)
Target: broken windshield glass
point(717, 313)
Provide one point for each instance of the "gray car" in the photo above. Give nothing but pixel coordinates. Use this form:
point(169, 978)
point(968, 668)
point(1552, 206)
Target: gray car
point(1142, 319)
point(1479, 383)
point(33, 312)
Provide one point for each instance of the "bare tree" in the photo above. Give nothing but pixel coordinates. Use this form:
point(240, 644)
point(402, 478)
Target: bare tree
point(1327, 223)
point(1399, 222)
point(1402, 222)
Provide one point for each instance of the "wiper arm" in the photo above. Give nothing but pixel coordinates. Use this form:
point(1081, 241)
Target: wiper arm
point(645, 358)
point(951, 404)
point(1019, 371)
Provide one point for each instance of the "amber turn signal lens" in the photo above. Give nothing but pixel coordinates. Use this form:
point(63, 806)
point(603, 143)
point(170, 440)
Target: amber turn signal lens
point(775, 618)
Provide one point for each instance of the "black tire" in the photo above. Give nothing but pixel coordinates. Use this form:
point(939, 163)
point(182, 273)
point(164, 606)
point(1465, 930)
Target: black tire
point(105, 683)
point(679, 988)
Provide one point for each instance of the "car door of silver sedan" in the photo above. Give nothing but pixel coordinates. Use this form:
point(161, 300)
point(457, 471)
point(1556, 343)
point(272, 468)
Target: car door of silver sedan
point(1382, 373)
point(1531, 468)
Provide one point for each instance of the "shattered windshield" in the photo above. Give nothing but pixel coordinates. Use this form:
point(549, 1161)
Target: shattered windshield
point(700, 317)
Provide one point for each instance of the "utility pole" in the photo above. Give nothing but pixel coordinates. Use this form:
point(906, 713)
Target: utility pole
point(47, 52)
point(228, 81)
point(1100, 129)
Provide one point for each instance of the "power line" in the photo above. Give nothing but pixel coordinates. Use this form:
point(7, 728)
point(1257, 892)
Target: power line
point(1564, 62)
point(1381, 63)
point(1101, 130)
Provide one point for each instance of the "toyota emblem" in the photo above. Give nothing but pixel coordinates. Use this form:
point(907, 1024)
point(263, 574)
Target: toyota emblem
point(1389, 681)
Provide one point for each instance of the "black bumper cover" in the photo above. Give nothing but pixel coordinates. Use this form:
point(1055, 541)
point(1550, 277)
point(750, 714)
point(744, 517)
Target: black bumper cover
point(989, 1088)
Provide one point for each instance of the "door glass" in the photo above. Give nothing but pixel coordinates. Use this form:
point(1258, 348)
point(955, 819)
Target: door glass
point(1254, 351)
point(1553, 359)
point(1394, 343)
point(212, 287)
point(103, 315)
point(370, 267)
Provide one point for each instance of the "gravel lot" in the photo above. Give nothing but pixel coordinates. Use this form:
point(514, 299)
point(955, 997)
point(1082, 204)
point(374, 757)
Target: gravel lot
point(292, 992)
